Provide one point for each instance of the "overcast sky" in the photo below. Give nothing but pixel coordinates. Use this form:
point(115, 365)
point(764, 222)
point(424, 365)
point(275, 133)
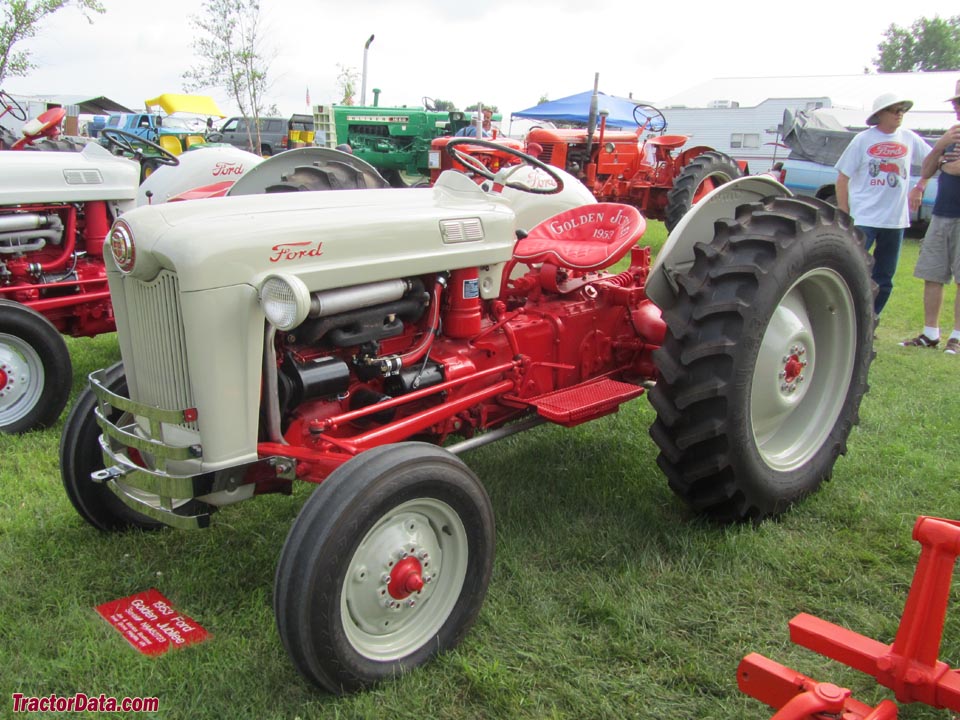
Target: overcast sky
point(507, 53)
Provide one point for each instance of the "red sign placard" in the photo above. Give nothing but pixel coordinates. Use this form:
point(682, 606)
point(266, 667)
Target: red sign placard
point(149, 622)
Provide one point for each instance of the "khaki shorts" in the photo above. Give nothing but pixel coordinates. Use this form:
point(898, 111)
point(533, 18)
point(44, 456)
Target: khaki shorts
point(939, 259)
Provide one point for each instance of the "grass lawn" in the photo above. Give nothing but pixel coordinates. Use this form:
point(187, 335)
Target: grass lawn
point(608, 599)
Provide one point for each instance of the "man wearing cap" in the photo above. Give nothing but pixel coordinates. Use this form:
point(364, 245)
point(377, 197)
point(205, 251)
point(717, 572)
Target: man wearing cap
point(939, 259)
point(872, 178)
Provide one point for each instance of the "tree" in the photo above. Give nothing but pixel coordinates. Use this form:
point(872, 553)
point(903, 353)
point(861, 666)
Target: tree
point(924, 46)
point(232, 58)
point(21, 21)
point(445, 105)
point(543, 99)
point(346, 83)
point(476, 106)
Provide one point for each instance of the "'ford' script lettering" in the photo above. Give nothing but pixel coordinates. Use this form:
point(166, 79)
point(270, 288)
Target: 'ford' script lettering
point(296, 251)
point(227, 168)
point(887, 150)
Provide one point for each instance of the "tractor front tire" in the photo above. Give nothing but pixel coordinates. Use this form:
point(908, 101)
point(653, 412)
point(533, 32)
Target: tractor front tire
point(35, 369)
point(386, 566)
point(765, 361)
point(80, 456)
point(705, 172)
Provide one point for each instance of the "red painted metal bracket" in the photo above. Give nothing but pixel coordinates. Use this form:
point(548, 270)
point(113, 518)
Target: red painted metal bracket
point(909, 666)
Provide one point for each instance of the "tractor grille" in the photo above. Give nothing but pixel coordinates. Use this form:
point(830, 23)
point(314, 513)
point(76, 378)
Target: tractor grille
point(159, 347)
point(547, 154)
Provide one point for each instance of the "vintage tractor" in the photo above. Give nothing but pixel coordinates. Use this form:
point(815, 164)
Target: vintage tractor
point(364, 339)
point(909, 666)
point(650, 172)
point(395, 140)
point(55, 211)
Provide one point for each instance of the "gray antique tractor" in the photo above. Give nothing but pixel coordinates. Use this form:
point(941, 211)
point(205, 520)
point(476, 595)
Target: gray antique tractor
point(364, 339)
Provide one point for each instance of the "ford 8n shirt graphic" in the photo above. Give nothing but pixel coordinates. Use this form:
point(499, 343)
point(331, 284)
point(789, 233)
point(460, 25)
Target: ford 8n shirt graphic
point(887, 164)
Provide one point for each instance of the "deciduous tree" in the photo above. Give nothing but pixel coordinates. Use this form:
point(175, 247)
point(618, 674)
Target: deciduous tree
point(346, 83)
point(21, 21)
point(928, 44)
point(232, 58)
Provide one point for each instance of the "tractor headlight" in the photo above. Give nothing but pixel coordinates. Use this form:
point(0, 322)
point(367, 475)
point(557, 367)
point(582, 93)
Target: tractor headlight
point(285, 301)
point(122, 247)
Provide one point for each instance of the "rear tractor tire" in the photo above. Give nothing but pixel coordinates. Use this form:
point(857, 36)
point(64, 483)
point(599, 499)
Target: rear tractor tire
point(765, 361)
point(35, 369)
point(386, 566)
point(705, 172)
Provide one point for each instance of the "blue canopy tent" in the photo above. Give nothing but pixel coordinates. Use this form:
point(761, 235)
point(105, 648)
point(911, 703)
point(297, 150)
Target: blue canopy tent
point(576, 109)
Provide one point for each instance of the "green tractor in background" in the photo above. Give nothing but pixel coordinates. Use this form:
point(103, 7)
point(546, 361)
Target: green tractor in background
point(395, 140)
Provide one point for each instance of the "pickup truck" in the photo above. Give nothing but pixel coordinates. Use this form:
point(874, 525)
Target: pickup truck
point(816, 141)
point(805, 177)
point(276, 134)
point(172, 133)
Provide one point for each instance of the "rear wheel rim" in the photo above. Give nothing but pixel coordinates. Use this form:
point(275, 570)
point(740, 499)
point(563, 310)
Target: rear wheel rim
point(803, 370)
point(428, 537)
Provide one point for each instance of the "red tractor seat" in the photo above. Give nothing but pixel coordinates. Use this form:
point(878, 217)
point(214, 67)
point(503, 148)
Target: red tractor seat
point(591, 237)
point(46, 124)
point(669, 142)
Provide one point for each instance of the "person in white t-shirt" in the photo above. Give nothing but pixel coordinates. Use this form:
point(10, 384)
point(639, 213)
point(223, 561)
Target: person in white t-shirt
point(872, 185)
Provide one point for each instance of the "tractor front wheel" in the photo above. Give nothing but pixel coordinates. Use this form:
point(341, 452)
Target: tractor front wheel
point(765, 360)
point(386, 566)
point(705, 172)
point(80, 457)
point(35, 369)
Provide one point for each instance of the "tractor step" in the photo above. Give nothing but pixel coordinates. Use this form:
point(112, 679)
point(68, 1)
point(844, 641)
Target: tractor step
point(580, 403)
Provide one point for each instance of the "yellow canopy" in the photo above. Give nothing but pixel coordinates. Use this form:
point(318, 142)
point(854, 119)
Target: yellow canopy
point(171, 103)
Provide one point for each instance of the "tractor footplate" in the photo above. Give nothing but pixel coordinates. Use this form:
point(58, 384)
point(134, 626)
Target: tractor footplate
point(581, 403)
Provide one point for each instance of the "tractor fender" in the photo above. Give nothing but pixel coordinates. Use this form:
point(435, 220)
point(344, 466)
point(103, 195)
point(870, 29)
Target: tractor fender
point(676, 257)
point(690, 153)
point(198, 168)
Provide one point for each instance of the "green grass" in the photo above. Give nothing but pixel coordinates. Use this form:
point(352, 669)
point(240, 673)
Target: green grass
point(608, 599)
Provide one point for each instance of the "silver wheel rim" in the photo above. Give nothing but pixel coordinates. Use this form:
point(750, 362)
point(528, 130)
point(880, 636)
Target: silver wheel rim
point(425, 532)
point(803, 370)
point(21, 378)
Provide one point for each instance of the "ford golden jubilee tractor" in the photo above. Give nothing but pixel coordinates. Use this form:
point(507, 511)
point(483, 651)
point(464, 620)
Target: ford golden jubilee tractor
point(364, 339)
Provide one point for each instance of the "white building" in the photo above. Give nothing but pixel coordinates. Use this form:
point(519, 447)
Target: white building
point(741, 116)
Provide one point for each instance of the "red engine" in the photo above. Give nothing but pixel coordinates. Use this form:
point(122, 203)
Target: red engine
point(51, 260)
point(438, 360)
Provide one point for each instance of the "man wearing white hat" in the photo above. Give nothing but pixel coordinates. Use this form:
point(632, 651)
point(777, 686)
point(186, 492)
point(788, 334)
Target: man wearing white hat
point(872, 179)
point(939, 259)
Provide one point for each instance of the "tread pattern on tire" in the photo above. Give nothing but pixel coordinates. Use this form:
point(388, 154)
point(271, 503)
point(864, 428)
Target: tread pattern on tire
point(696, 364)
point(680, 197)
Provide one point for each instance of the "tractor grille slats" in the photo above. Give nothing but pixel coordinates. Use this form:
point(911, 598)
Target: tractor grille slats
point(158, 342)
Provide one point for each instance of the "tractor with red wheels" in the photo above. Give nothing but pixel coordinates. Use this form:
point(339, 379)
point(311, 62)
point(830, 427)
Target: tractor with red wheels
point(364, 340)
point(645, 168)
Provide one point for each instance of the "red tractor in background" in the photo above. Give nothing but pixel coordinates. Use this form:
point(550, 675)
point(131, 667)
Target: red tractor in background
point(623, 166)
point(617, 165)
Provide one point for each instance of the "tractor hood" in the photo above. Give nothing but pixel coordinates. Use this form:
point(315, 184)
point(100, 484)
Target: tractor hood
point(42, 177)
point(329, 239)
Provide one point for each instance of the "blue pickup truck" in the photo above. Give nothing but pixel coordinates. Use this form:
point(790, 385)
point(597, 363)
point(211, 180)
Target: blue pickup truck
point(172, 133)
point(814, 149)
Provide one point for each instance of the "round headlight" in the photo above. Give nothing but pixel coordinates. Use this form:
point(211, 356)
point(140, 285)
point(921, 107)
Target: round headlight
point(285, 301)
point(122, 247)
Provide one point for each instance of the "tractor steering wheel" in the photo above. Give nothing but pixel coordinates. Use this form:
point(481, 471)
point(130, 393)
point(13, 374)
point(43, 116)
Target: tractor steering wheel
point(123, 142)
point(478, 167)
point(13, 107)
point(653, 119)
point(429, 104)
